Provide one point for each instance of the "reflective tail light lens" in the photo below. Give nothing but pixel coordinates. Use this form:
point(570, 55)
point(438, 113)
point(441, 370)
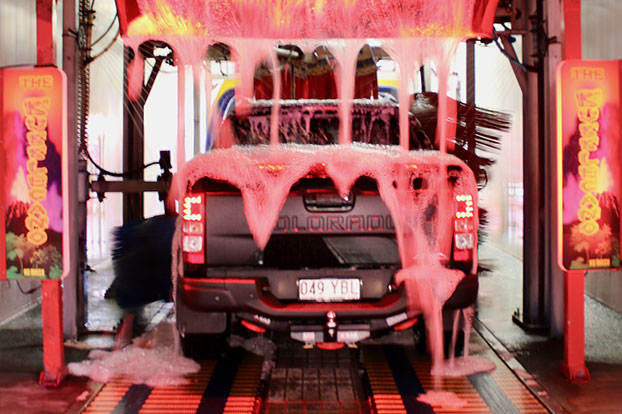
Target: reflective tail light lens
point(192, 228)
point(193, 244)
point(193, 225)
point(463, 241)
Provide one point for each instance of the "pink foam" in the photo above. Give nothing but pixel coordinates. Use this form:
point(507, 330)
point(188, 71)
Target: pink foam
point(469, 365)
point(265, 174)
point(442, 399)
point(152, 359)
point(282, 19)
point(415, 32)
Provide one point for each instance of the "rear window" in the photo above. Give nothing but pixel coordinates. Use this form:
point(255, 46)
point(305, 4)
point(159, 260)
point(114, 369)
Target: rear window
point(317, 122)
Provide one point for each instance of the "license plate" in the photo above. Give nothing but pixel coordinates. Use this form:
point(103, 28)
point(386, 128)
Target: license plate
point(329, 289)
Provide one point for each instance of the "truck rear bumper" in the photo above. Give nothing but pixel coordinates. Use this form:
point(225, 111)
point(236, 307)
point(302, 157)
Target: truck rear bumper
point(250, 300)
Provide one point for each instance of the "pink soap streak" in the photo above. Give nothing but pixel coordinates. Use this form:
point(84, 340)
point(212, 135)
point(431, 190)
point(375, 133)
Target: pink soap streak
point(465, 366)
point(346, 52)
point(428, 286)
point(442, 399)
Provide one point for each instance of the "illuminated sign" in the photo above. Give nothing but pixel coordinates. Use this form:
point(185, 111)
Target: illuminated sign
point(589, 180)
point(35, 119)
point(32, 173)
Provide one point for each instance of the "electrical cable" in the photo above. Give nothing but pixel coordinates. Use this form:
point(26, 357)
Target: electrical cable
point(26, 292)
point(114, 19)
point(125, 174)
point(17, 65)
point(92, 58)
point(526, 68)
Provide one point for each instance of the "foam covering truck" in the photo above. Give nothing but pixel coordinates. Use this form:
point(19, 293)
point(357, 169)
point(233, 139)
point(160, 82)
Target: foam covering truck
point(323, 270)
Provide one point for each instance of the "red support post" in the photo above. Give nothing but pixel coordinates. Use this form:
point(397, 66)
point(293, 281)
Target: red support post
point(572, 29)
point(45, 37)
point(573, 366)
point(54, 369)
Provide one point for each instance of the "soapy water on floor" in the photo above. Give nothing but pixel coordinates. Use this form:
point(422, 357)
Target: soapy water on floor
point(152, 359)
point(155, 358)
point(442, 399)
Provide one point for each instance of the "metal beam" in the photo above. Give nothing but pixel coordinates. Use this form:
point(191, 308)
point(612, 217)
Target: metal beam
point(133, 142)
point(470, 72)
point(555, 282)
point(74, 286)
point(519, 72)
point(470, 92)
point(533, 315)
point(128, 186)
point(134, 129)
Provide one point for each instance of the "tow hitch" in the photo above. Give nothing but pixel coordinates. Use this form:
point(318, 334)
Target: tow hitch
point(331, 325)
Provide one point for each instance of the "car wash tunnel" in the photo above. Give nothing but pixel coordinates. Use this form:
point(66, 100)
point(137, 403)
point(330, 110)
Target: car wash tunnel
point(310, 206)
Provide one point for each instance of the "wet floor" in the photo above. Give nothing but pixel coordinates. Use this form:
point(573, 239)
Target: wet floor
point(376, 378)
point(384, 376)
point(379, 377)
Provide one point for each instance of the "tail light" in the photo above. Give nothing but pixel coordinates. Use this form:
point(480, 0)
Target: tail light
point(464, 239)
point(193, 229)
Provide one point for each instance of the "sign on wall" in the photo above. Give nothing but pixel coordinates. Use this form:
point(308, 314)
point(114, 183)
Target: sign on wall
point(589, 168)
point(33, 106)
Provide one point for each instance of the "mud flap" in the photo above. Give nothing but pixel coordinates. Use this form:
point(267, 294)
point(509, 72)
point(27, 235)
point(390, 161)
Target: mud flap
point(190, 321)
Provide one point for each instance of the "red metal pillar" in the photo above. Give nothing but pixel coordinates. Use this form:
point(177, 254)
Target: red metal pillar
point(572, 29)
point(54, 369)
point(573, 366)
point(45, 38)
